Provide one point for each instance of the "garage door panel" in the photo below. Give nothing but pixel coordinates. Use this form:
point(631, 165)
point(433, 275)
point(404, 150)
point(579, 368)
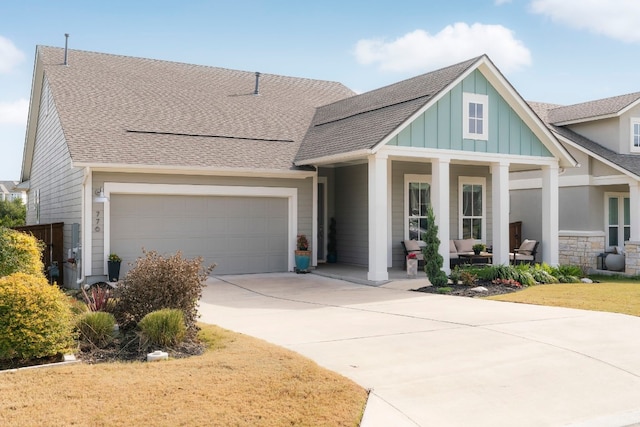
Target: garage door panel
point(239, 234)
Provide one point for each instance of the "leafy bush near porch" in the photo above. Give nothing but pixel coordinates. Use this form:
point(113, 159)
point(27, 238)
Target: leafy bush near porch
point(96, 328)
point(163, 327)
point(525, 274)
point(158, 282)
point(19, 252)
point(35, 318)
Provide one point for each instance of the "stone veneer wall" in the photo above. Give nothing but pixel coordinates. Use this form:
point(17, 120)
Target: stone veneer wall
point(632, 257)
point(580, 247)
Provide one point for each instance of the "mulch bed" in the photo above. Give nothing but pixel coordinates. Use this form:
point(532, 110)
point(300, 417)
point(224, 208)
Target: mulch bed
point(465, 290)
point(127, 350)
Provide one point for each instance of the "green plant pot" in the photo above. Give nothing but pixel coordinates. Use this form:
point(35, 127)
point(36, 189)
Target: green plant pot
point(303, 258)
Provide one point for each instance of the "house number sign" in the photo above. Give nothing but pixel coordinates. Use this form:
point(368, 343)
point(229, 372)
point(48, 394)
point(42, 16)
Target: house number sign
point(97, 227)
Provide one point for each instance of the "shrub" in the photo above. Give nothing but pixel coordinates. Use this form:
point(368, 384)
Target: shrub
point(156, 282)
point(20, 253)
point(98, 298)
point(542, 274)
point(455, 275)
point(444, 289)
point(432, 258)
point(96, 328)
point(522, 274)
point(468, 278)
point(163, 327)
point(35, 318)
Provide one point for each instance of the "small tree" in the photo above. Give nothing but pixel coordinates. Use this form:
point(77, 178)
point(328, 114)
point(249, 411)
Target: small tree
point(432, 258)
point(13, 213)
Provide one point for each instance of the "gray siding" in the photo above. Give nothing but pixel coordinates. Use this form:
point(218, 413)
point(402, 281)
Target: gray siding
point(52, 174)
point(304, 187)
point(605, 131)
point(351, 204)
point(526, 206)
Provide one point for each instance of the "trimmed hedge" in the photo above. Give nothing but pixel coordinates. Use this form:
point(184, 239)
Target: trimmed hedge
point(20, 252)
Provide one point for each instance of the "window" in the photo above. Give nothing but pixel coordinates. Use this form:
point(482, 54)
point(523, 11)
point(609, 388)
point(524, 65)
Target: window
point(635, 135)
point(618, 214)
point(475, 114)
point(472, 212)
point(416, 202)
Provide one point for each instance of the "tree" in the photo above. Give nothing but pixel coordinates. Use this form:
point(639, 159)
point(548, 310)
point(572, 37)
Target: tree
point(432, 258)
point(13, 213)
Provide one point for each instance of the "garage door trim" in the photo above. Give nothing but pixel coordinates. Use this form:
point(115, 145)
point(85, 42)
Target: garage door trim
point(291, 194)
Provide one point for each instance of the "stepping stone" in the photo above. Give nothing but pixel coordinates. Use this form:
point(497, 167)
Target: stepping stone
point(479, 289)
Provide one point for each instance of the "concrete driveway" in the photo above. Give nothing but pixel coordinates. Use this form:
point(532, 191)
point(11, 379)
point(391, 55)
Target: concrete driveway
point(434, 360)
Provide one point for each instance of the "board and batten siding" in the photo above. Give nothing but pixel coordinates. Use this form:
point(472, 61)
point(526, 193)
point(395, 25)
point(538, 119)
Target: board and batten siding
point(441, 125)
point(52, 175)
point(304, 187)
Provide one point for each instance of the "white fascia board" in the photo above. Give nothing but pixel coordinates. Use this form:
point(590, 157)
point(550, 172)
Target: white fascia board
point(587, 119)
point(32, 119)
point(336, 158)
point(597, 157)
point(465, 156)
point(613, 180)
point(563, 181)
point(187, 170)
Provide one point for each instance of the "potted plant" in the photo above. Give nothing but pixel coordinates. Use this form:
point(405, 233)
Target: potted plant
point(113, 267)
point(478, 247)
point(332, 253)
point(303, 254)
point(412, 265)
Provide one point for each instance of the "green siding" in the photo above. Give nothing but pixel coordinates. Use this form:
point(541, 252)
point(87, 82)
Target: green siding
point(441, 125)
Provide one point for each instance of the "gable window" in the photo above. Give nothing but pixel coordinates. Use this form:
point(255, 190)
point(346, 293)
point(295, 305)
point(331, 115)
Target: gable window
point(475, 114)
point(635, 135)
point(471, 205)
point(416, 202)
point(618, 217)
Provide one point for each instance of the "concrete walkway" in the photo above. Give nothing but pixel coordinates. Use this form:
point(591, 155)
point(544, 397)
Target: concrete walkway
point(434, 360)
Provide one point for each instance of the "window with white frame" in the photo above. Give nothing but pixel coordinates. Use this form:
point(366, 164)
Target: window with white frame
point(635, 135)
point(618, 217)
point(416, 202)
point(472, 207)
point(475, 115)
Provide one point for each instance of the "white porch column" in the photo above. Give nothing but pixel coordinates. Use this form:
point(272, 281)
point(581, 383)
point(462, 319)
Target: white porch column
point(440, 203)
point(634, 210)
point(500, 208)
point(378, 218)
point(550, 241)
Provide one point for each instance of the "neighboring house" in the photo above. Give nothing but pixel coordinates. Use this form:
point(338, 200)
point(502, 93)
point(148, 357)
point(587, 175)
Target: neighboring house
point(9, 190)
point(600, 199)
point(232, 165)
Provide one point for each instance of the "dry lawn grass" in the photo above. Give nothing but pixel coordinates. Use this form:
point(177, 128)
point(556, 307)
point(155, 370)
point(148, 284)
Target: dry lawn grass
point(616, 297)
point(240, 381)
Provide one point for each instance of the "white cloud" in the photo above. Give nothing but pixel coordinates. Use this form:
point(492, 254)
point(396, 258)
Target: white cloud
point(14, 113)
point(10, 55)
point(421, 51)
point(618, 19)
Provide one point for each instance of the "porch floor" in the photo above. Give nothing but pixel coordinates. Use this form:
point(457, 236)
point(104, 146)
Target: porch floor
point(358, 274)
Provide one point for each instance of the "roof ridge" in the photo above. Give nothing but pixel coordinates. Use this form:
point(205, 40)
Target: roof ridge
point(168, 61)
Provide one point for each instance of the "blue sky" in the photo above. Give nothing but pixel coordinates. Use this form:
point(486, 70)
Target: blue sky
point(559, 51)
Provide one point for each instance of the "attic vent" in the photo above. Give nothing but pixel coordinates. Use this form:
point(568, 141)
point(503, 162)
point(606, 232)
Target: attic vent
point(66, 47)
point(257, 89)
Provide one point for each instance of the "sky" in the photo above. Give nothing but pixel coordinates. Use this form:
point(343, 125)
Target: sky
point(557, 51)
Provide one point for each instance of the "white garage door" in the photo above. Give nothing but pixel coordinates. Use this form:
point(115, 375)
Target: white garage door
point(239, 234)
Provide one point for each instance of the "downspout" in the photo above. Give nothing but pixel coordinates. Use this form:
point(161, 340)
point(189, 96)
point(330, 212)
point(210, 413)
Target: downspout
point(80, 280)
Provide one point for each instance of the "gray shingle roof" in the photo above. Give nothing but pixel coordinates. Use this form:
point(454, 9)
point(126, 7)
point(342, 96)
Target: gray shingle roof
point(135, 111)
point(362, 121)
point(592, 109)
point(629, 162)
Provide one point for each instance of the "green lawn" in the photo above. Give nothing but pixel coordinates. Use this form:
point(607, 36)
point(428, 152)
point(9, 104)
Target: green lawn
point(614, 294)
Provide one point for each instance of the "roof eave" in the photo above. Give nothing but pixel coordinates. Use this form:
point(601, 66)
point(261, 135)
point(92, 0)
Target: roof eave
point(335, 158)
point(32, 119)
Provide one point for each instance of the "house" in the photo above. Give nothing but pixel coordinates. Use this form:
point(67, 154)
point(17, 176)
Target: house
point(600, 199)
point(232, 165)
point(9, 190)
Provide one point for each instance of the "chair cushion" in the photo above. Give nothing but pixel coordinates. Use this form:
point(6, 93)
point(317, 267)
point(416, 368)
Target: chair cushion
point(465, 245)
point(526, 248)
point(452, 247)
point(412, 245)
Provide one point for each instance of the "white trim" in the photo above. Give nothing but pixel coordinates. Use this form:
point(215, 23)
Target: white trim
point(314, 220)
point(613, 180)
point(389, 213)
point(473, 180)
point(475, 98)
point(581, 233)
point(86, 229)
point(620, 196)
point(291, 194)
point(440, 168)
point(634, 121)
point(572, 181)
point(550, 215)
point(459, 157)
point(323, 180)
point(500, 202)
point(377, 211)
point(192, 170)
point(408, 178)
point(336, 158)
